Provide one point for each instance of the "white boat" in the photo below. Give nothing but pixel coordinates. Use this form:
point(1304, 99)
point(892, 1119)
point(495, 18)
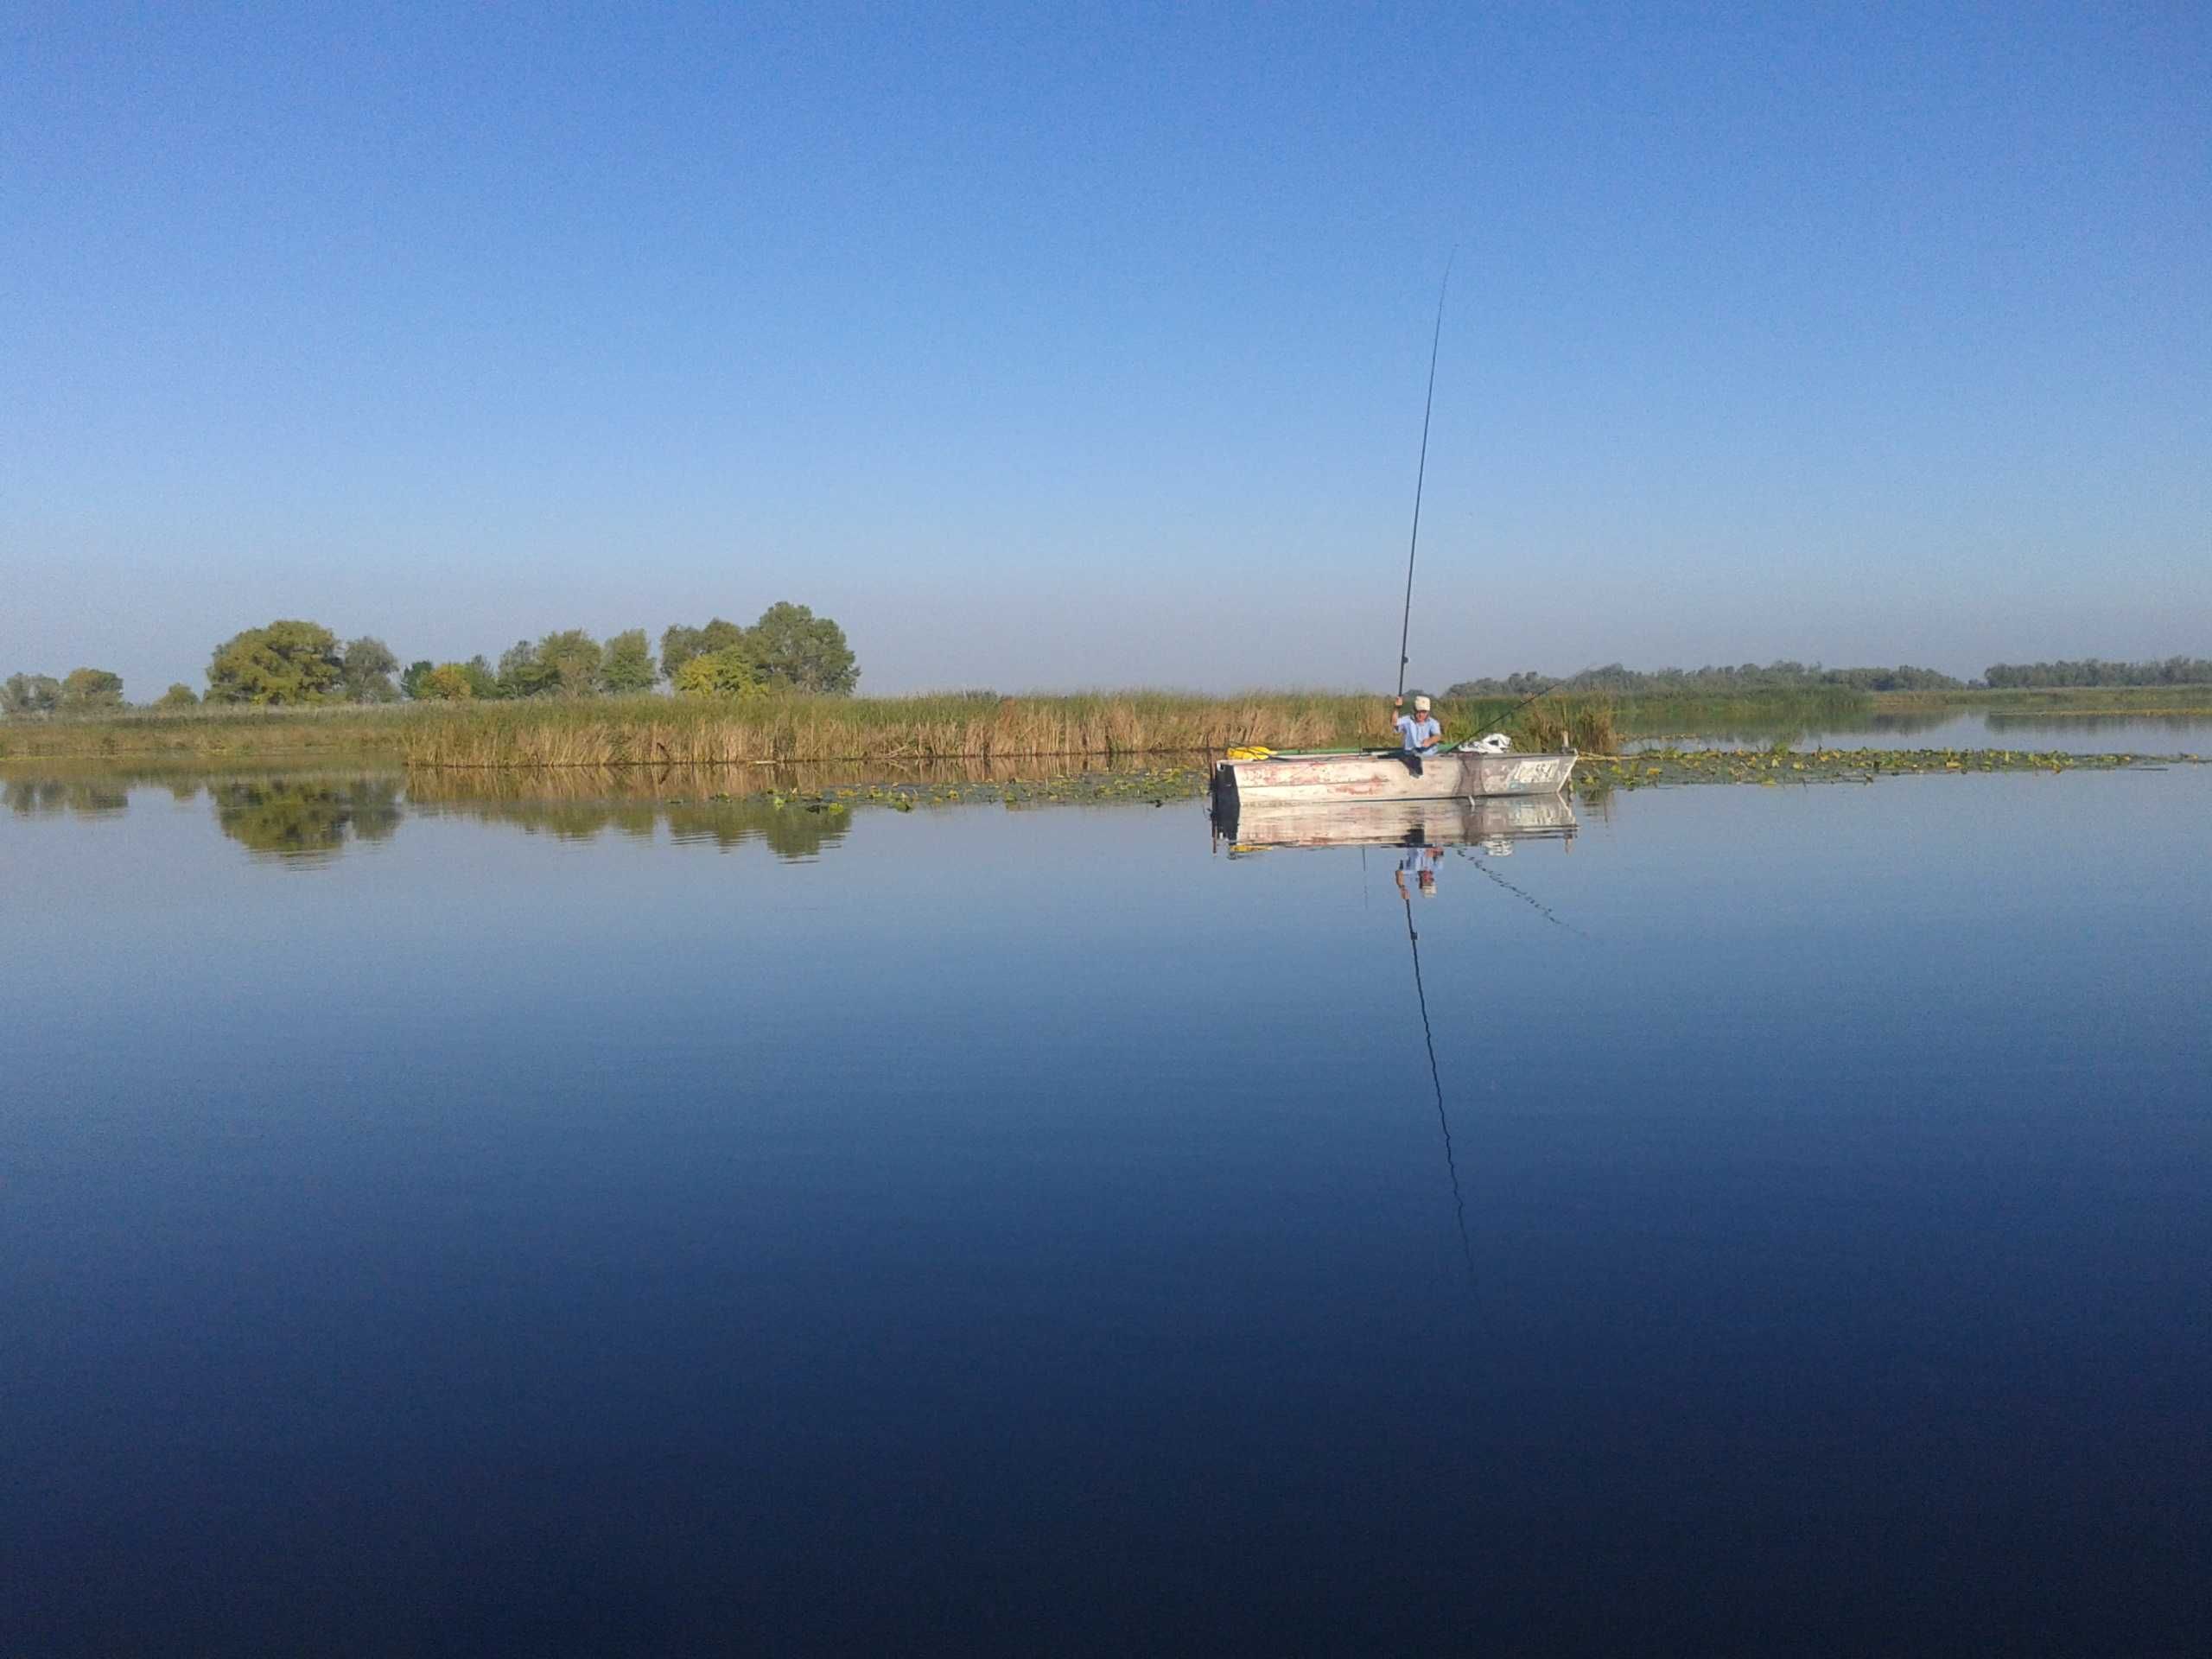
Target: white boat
point(1382, 775)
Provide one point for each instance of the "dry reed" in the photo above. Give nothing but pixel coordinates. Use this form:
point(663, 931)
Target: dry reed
point(665, 732)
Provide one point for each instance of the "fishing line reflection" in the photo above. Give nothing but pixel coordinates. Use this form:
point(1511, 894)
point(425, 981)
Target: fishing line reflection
point(1436, 1081)
point(1421, 832)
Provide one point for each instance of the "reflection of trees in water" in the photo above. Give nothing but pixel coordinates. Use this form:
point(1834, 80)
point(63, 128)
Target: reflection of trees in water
point(92, 797)
point(2176, 725)
point(1761, 733)
point(581, 802)
point(309, 818)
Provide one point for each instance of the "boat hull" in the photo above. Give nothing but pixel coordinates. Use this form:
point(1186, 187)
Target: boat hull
point(1320, 778)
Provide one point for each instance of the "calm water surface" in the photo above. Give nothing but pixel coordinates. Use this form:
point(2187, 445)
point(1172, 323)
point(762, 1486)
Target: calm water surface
point(1976, 728)
point(604, 1227)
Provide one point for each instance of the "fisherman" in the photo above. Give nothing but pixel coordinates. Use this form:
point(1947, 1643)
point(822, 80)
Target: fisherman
point(1418, 735)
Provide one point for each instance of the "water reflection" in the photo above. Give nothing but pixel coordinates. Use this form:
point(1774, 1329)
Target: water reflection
point(1427, 837)
point(698, 806)
point(1424, 828)
point(2121, 733)
point(1436, 1084)
point(39, 798)
point(2124, 733)
point(306, 821)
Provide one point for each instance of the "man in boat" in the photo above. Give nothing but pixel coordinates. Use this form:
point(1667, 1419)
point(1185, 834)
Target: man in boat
point(1418, 735)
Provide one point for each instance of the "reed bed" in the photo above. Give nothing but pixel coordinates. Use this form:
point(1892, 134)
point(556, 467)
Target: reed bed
point(602, 732)
point(1591, 725)
point(665, 732)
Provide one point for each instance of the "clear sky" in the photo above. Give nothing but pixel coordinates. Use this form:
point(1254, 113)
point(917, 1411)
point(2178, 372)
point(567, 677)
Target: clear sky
point(1059, 345)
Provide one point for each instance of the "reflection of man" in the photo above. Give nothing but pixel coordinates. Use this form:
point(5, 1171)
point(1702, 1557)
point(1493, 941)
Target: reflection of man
point(1418, 735)
point(1420, 863)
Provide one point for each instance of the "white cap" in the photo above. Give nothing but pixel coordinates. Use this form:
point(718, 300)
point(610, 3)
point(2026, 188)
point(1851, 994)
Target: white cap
point(1421, 705)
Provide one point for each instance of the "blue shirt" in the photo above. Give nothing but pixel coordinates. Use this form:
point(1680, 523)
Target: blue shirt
point(1413, 732)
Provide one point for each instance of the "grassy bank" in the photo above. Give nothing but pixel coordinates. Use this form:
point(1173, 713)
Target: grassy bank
point(657, 731)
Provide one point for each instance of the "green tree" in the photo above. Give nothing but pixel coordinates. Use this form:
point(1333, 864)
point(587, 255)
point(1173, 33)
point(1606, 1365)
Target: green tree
point(802, 651)
point(570, 660)
point(679, 644)
point(367, 666)
point(178, 696)
point(410, 683)
point(732, 672)
point(31, 693)
point(521, 675)
point(287, 661)
point(481, 679)
point(87, 688)
point(628, 664)
point(447, 682)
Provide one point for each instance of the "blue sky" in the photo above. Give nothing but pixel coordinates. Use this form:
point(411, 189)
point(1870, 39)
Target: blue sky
point(1058, 346)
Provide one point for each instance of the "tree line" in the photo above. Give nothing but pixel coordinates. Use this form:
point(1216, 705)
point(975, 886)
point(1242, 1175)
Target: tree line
point(287, 661)
point(1785, 675)
point(1713, 680)
point(81, 691)
point(2173, 670)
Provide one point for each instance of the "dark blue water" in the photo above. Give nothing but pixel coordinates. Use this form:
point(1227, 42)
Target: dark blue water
point(433, 1228)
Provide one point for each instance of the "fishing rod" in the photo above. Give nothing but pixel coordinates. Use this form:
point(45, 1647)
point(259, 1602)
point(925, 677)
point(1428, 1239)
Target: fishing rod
point(1568, 679)
point(1421, 479)
point(1420, 475)
point(1436, 1080)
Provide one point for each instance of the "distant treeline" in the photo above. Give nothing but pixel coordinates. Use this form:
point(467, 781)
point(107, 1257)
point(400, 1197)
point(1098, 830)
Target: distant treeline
point(292, 661)
point(82, 691)
point(2174, 670)
point(1785, 675)
point(1712, 681)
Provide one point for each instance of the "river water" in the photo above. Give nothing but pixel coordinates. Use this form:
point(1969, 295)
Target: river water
point(1970, 728)
point(1741, 1221)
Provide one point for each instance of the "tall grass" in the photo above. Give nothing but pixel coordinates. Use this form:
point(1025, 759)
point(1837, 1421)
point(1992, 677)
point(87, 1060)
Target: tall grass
point(216, 732)
point(1589, 724)
point(667, 732)
point(659, 731)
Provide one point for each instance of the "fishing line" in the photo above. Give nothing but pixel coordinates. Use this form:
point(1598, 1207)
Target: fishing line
point(1525, 897)
point(1497, 721)
point(1420, 474)
point(1420, 480)
point(1436, 1080)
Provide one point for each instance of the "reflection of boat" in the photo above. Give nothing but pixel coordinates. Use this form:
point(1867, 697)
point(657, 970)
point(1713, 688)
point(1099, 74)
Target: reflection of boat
point(1260, 823)
point(1382, 775)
